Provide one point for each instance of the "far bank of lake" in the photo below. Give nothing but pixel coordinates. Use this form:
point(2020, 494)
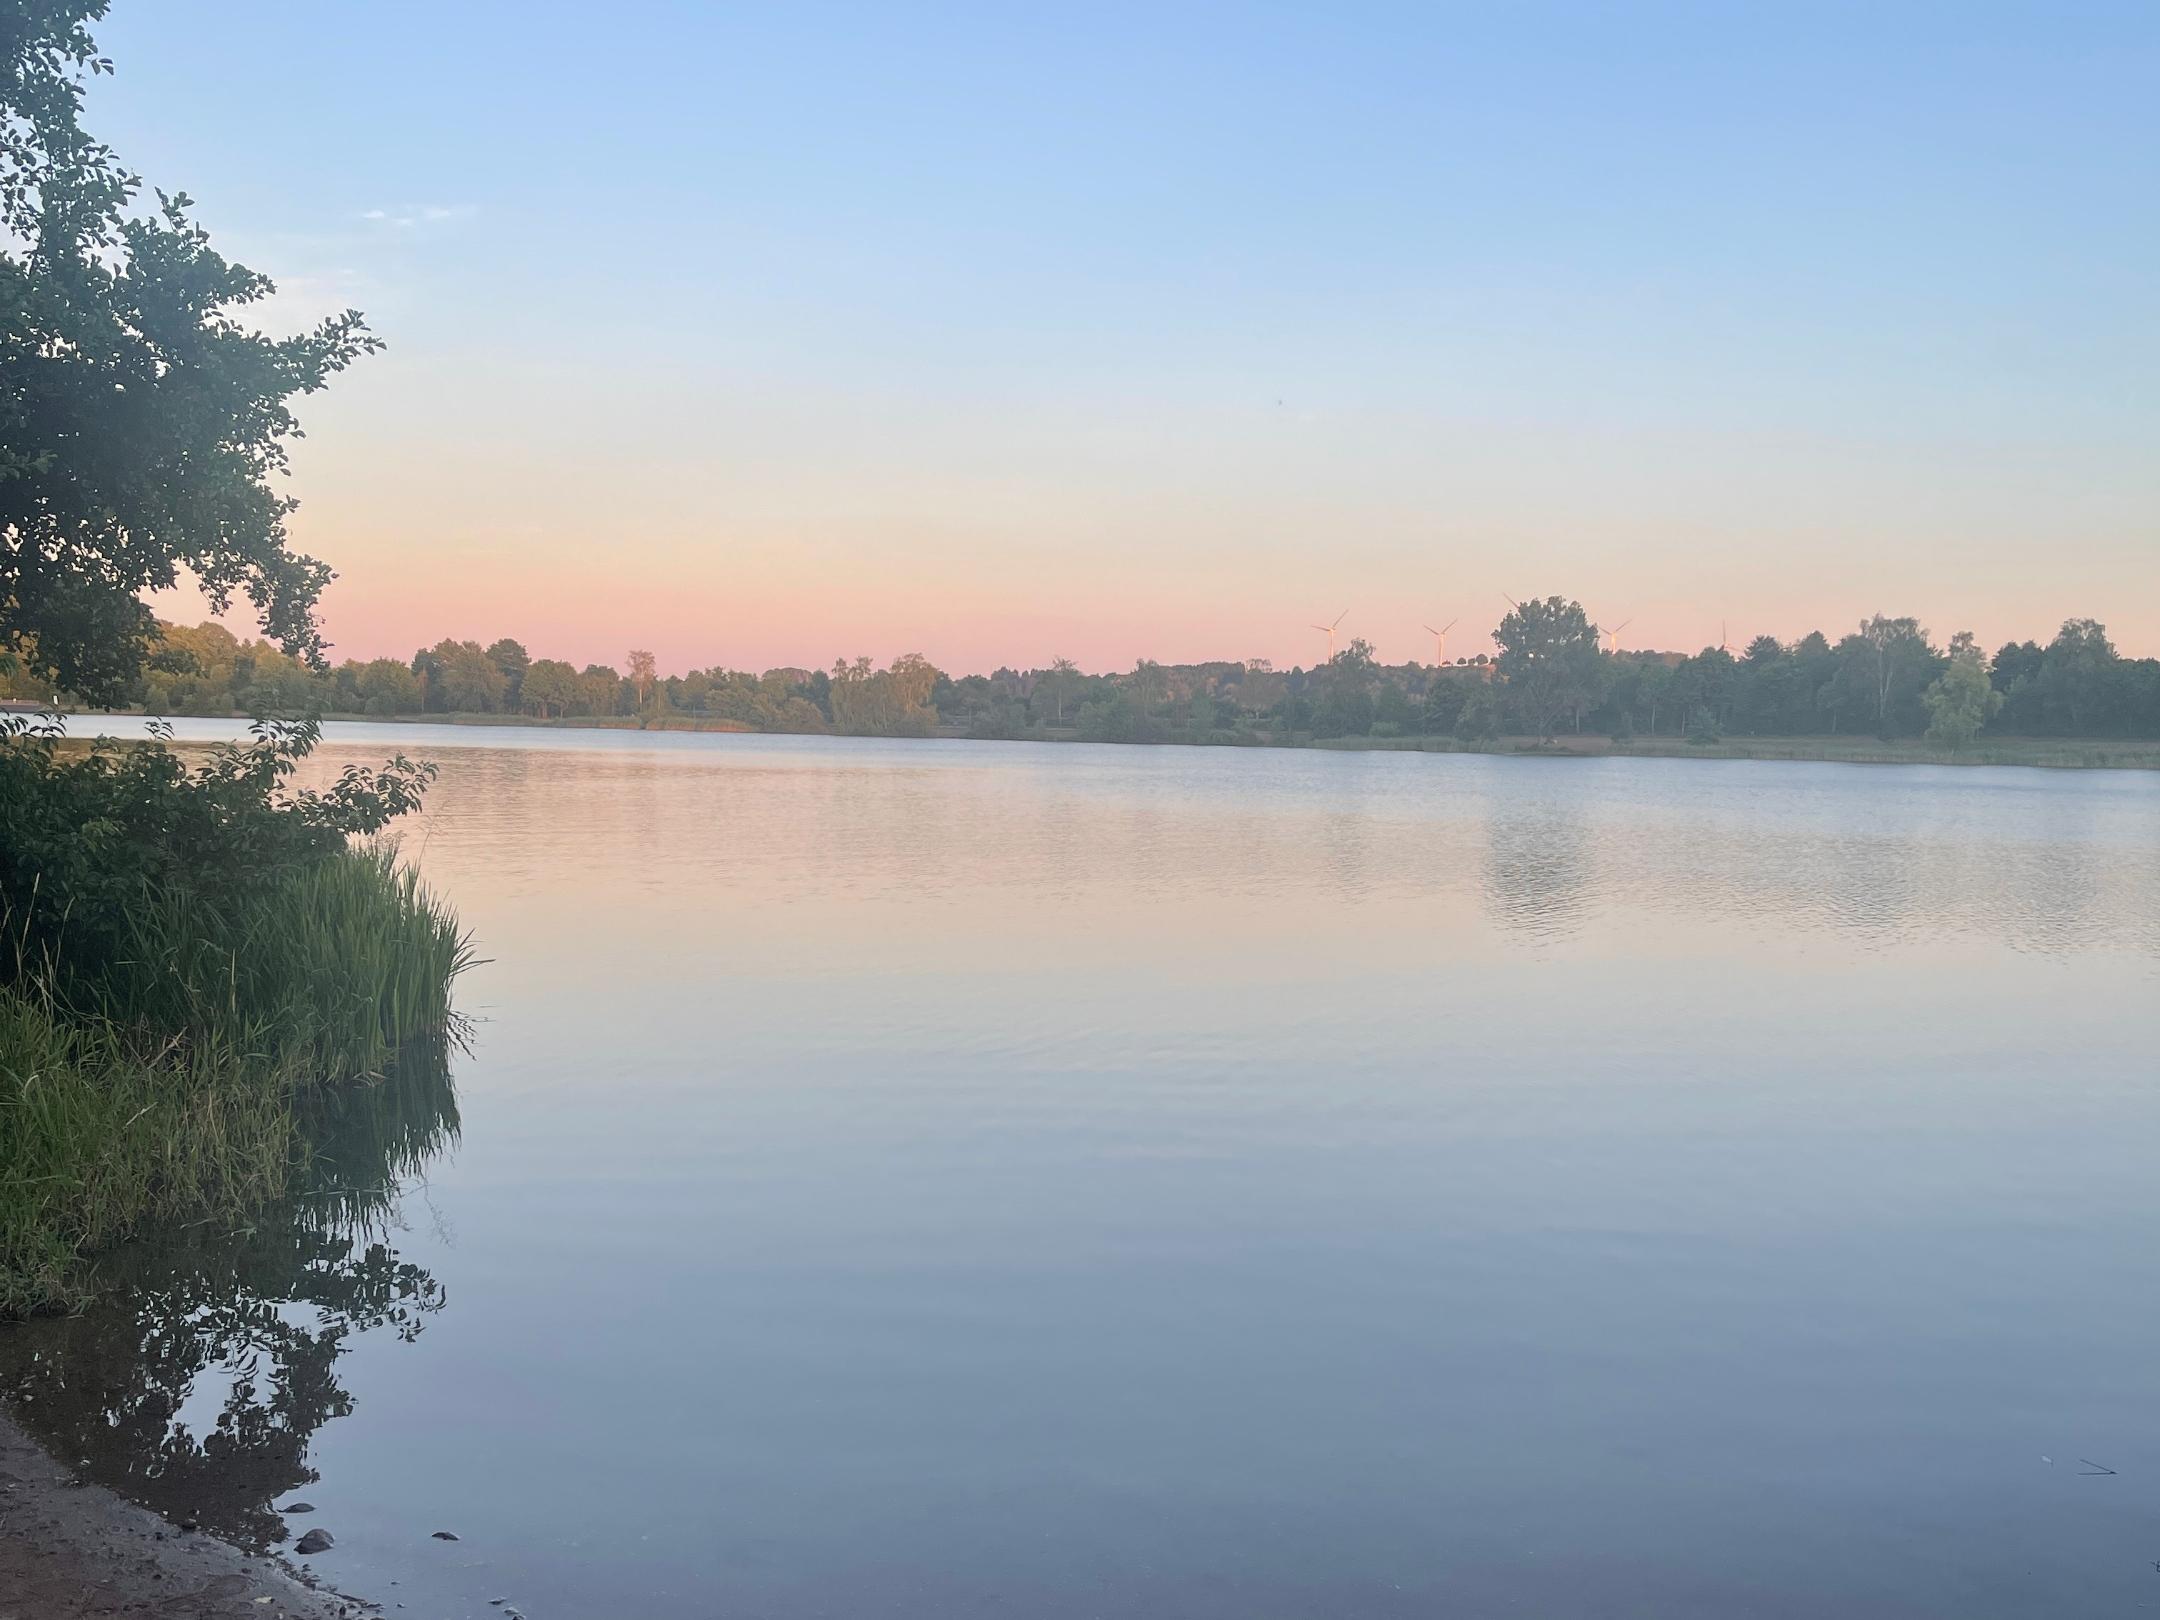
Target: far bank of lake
point(2051, 753)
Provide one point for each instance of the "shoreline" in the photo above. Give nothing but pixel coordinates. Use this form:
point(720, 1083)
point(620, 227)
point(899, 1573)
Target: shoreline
point(70, 1550)
point(2040, 753)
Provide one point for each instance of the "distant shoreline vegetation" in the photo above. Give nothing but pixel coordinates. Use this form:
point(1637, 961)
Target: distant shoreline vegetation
point(1886, 690)
point(2064, 753)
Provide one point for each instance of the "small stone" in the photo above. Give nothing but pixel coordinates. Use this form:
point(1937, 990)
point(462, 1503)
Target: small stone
point(444, 1535)
point(314, 1541)
point(298, 1507)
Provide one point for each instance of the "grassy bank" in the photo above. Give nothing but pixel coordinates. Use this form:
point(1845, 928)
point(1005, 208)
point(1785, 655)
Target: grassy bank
point(105, 1129)
point(2063, 753)
point(2072, 753)
point(178, 1086)
point(2066, 753)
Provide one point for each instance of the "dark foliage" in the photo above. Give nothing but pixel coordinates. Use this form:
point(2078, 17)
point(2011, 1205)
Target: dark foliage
point(140, 422)
point(91, 841)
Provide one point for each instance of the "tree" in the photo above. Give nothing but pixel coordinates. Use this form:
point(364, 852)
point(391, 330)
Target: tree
point(1817, 661)
point(1478, 720)
point(1058, 682)
point(1394, 714)
point(2072, 688)
point(1549, 656)
point(914, 678)
point(599, 690)
point(550, 688)
point(893, 702)
point(1708, 683)
point(1147, 684)
point(2015, 661)
point(384, 686)
point(1261, 687)
point(1654, 685)
point(462, 679)
point(1346, 682)
point(512, 659)
point(1892, 663)
point(642, 669)
point(1962, 699)
point(141, 421)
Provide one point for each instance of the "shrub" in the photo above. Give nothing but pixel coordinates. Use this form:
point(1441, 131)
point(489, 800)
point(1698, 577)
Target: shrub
point(119, 863)
point(190, 958)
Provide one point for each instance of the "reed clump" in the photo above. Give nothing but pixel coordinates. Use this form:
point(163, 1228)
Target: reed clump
point(197, 965)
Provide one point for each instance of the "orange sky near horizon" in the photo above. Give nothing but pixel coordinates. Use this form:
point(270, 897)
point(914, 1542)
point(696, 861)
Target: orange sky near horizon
point(1016, 539)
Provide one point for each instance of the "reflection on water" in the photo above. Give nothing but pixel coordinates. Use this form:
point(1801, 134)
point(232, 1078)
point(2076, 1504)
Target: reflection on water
point(197, 1381)
point(1539, 881)
point(934, 1180)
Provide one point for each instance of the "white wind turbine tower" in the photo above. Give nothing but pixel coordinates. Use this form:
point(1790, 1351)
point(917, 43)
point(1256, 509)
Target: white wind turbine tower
point(1328, 630)
point(1440, 640)
point(1724, 645)
point(1612, 636)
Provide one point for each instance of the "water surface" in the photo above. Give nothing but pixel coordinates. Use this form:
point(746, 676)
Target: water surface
point(942, 1179)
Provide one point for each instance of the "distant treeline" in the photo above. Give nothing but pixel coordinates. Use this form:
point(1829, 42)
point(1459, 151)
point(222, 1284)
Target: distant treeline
point(1550, 673)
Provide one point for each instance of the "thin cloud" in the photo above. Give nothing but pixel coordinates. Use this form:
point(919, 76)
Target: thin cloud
point(415, 215)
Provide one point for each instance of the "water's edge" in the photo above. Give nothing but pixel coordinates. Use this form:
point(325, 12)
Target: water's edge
point(2030, 753)
point(71, 1544)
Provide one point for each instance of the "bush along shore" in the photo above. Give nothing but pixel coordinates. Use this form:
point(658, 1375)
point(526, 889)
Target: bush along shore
point(195, 959)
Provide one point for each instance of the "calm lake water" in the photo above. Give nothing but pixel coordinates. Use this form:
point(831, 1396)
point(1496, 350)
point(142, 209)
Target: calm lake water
point(942, 1179)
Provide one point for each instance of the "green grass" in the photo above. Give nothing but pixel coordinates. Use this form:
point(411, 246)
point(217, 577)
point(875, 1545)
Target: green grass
point(329, 970)
point(242, 1050)
point(2069, 753)
point(104, 1130)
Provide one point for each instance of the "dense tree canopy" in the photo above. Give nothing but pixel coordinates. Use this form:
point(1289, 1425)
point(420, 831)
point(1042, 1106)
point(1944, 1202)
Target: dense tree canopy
point(1550, 658)
point(141, 421)
point(1961, 700)
point(1549, 678)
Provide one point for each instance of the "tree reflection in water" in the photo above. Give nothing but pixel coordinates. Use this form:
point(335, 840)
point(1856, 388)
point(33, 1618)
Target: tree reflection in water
point(195, 1383)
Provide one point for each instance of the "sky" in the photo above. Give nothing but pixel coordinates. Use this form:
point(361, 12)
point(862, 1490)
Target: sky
point(760, 335)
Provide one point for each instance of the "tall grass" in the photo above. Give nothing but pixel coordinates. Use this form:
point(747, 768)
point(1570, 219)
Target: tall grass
point(104, 1129)
point(333, 967)
point(239, 1048)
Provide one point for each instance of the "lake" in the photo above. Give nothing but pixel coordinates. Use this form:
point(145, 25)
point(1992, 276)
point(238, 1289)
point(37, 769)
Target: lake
point(924, 1179)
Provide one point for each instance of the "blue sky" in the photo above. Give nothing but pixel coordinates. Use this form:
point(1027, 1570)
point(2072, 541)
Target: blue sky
point(771, 333)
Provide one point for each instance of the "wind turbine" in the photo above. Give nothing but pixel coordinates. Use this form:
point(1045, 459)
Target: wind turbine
point(1440, 639)
point(1328, 630)
point(1724, 646)
point(1612, 636)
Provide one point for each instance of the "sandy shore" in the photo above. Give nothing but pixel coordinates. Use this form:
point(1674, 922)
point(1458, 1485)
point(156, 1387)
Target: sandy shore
point(69, 1549)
